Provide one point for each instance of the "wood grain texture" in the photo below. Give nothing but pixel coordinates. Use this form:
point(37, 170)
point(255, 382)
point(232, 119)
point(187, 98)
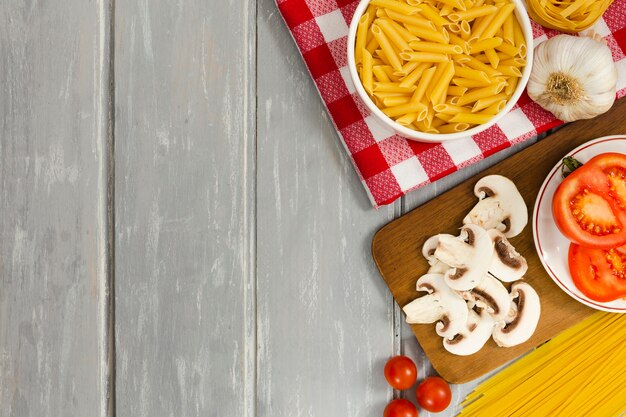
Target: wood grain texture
point(325, 322)
point(396, 247)
point(184, 208)
point(53, 161)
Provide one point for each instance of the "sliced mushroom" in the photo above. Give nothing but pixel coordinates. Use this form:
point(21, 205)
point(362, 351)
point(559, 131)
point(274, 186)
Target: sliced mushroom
point(524, 323)
point(440, 304)
point(492, 296)
point(475, 335)
point(507, 264)
point(500, 206)
point(428, 250)
point(469, 256)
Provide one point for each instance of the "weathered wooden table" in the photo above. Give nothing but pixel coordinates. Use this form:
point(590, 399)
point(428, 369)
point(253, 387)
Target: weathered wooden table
point(182, 232)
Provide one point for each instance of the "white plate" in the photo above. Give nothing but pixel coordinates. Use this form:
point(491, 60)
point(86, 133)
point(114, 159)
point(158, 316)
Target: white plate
point(551, 245)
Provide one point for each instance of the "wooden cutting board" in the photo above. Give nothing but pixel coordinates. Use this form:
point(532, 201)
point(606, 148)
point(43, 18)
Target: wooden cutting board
point(397, 247)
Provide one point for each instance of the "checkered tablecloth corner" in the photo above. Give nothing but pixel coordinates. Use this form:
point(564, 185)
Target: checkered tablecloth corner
point(389, 165)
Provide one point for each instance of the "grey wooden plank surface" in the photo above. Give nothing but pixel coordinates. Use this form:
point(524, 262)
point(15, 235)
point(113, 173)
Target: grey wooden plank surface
point(185, 334)
point(53, 161)
point(244, 280)
point(325, 318)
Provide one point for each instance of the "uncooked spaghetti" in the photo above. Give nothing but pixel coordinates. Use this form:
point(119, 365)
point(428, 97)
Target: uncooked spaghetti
point(580, 372)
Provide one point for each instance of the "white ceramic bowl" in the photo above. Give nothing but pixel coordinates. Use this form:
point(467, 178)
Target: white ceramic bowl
point(523, 19)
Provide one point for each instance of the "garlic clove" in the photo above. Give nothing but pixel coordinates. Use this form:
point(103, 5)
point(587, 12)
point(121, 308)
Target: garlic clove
point(573, 77)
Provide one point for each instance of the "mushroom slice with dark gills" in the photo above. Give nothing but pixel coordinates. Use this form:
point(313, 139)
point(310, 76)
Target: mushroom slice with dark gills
point(469, 256)
point(428, 250)
point(473, 337)
point(507, 264)
point(519, 328)
point(492, 296)
point(500, 206)
point(441, 305)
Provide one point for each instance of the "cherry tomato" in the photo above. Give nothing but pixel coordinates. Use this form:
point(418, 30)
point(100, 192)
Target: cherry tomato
point(433, 394)
point(400, 372)
point(589, 206)
point(600, 274)
point(400, 408)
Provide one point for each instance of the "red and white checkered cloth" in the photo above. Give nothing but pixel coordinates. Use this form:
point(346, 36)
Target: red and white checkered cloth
point(389, 165)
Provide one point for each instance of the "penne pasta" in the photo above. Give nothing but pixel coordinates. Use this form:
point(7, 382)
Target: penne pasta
point(496, 23)
point(361, 37)
point(471, 74)
point(424, 57)
point(496, 107)
point(483, 103)
point(436, 47)
point(482, 45)
point(455, 90)
point(446, 10)
point(407, 119)
point(507, 30)
point(450, 109)
point(440, 66)
point(478, 93)
point(437, 122)
point(395, 101)
point(480, 25)
point(453, 127)
point(466, 30)
point(393, 35)
point(423, 84)
point(471, 118)
point(446, 117)
point(386, 47)
point(493, 57)
point(406, 69)
point(472, 14)
point(418, 21)
point(508, 70)
point(510, 88)
point(415, 75)
point(411, 107)
point(518, 35)
point(464, 82)
point(508, 49)
point(390, 73)
point(476, 64)
point(454, 4)
point(456, 40)
point(431, 14)
point(392, 88)
point(461, 59)
point(372, 45)
point(380, 74)
point(514, 62)
point(454, 28)
point(406, 35)
point(367, 74)
point(428, 34)
point(442, 83)
point(396, 6)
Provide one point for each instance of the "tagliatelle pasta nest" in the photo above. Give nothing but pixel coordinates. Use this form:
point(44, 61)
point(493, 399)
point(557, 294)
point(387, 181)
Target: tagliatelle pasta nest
point(440, 66)
point(567, 15)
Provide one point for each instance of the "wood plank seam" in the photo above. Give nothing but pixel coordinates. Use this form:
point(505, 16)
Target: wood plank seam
point(106, 136)
point(250, 129)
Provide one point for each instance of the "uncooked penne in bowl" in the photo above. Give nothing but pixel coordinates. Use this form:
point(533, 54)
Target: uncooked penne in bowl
point(435, 70)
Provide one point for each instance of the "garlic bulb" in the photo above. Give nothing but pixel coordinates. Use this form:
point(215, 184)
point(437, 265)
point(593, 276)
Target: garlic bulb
point(573, 77)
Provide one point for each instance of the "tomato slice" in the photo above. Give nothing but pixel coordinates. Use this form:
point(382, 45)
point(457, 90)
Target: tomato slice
point(589, 206)
point(600, 274)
